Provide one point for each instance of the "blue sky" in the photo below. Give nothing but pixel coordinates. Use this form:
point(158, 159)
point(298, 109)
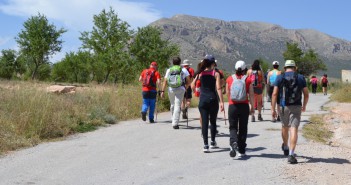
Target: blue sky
point(330, 17)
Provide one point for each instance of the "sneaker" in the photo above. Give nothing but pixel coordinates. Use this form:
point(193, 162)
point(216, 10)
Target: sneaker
point(143, 116)
point(241, 155)
point(292, 159)
point(213, 144)
point(259, 117)
point(273, 120)
point(278, 119)
point(233, 147)
point(206, 149)
point(152, 121)
point(185, 116)
point(286, 150)
point(176, 127)
point(252, 118)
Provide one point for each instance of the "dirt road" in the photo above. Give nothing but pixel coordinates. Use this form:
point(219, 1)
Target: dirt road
point(133, 152)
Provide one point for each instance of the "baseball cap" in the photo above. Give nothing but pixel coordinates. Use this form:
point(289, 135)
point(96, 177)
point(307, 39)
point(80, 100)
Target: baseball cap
point(290, 63)
point(275, 63)
point(210, 58)
point(240, 65)
point(154, 63)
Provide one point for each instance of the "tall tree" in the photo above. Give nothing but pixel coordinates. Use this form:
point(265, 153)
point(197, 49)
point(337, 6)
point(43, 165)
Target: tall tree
point(307, 62)
point(108, 40)
point(7, 63)
point(148, 46)
point(38, 41)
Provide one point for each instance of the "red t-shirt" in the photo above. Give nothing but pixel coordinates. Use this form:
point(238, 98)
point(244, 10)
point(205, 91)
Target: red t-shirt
point(191, 71)
point(229, 84)
point(156, 77)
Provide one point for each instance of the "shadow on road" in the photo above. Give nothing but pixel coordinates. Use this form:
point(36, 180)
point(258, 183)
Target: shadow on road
point(220, 150)
point(325, 160)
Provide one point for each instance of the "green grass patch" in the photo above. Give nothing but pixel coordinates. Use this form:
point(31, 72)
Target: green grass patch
point(317, 130)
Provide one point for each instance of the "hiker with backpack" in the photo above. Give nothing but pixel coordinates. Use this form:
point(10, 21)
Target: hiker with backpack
point(314, 83)
point(150, 79)
point(256, 75)
point(288, 90)
point(177, 79)
point(325, 83)
point(188, 93)
point(240, 94)
point(208, 103)
point(271, 78)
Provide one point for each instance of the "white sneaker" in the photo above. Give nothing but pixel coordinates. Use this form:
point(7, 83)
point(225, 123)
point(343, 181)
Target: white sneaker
point(241, 155)
point(206, 149)
point(213, 144)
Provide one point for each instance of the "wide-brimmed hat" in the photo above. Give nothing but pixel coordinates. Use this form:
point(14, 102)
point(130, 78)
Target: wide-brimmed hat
point(186, 63)
point(290, 63)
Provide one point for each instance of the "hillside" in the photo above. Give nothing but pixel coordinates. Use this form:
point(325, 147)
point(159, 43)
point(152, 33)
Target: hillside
point(231, 41)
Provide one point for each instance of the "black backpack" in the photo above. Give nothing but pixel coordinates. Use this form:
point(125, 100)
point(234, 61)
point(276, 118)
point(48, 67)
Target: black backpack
point(289, 91)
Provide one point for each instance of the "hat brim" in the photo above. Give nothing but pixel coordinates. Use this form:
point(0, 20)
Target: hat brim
point(185, 64)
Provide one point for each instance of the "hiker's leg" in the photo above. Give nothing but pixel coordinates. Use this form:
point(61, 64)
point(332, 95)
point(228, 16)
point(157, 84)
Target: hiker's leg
point(285, 135)
point(233, 123)
point(179, 95)
point(145, 105)
point(204, 113)
point(244, 112)
point(189, 95)
point(152, 102)
point(295, 118)
point(171, 96)
point(214, 107)
point(259, 103)
point(293, 139)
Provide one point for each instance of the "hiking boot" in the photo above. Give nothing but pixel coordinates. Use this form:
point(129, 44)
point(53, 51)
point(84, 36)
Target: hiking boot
point(206, 149)
point(213, 144)
point(143, 116)
point(252, 118)
point(259, 117)
point(285, 150)
point(152, 121)
point(233, 149)
point(176, 127)
point(278, 119)
point(292, 159)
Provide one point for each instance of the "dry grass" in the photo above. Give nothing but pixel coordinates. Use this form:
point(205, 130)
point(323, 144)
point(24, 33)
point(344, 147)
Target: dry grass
point(317, 130)
point(342, 93)
point(29, 115)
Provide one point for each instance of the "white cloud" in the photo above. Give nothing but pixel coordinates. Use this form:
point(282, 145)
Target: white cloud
point(78, 14)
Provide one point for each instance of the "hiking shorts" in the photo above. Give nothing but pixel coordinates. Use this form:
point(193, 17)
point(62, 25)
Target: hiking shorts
point(258, 90)
point(291, 116)
point(324, 85)
point(188, 94)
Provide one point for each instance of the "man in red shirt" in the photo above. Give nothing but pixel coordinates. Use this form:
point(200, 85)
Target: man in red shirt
point(188, 94)
point(151, 79)
point(240, 91)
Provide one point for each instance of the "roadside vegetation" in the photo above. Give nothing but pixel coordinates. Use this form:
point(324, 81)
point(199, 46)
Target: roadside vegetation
point(342, 94)
point(317, 130)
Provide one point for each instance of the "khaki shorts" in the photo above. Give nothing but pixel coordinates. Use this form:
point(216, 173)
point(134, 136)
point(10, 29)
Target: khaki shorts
point(291, 116)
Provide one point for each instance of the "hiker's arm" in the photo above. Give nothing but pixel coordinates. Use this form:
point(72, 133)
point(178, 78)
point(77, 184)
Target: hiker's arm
point(163, 87)
point(193, 83)
point(219, 90)
point(274, 100)
point(305, 98)
point(252, 99)
point(158, 82)
point(140, 78)
point(268, 76)
point(188, 82)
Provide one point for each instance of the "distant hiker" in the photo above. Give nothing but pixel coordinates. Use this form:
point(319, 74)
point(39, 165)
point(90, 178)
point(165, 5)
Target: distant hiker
point(240, 91)
point(290, 86)
point(188, 93)
point(256, 75)
point(271, 77)
point(150, 79)
point(177, 79)
point(208, 103)
point(314, 83)
point(325, 83)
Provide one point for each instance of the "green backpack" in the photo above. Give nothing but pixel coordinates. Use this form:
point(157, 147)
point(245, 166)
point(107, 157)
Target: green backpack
point(174, 78)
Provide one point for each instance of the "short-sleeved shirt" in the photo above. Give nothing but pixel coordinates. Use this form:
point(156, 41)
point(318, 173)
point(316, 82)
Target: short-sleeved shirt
point(156, 77)
point(184, 74)
point(301, 83)
point(229, 84)
point(191, 71)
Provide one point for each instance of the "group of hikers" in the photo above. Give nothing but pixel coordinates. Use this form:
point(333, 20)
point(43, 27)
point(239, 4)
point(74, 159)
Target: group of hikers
point(324, 83)
point(244, 90)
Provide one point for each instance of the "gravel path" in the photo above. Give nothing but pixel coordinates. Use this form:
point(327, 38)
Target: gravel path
point(133, 152)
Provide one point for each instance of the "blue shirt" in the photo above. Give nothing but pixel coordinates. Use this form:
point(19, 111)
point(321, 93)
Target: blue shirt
point(301, 83)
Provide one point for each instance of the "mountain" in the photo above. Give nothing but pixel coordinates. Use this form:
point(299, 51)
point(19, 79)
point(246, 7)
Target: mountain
point(238, 40)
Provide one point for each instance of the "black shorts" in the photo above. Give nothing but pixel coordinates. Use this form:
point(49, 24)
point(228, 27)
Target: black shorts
point(188, 94)
point(324, 85)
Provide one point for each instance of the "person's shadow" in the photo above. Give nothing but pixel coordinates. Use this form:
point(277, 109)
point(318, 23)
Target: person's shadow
point(325, 160)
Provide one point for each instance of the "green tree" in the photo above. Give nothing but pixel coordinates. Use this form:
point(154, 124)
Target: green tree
point(307, 62)
point(38, 41)
point(7, 63)
point(21, 65)
point(148, 46)
point(108, 40)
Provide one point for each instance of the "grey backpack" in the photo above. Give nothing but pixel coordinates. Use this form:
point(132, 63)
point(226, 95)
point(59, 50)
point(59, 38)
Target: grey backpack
point(238, 89)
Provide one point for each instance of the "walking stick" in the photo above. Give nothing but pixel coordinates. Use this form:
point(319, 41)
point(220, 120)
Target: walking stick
point(186, 109)
point(158, 94)
point(225, 119)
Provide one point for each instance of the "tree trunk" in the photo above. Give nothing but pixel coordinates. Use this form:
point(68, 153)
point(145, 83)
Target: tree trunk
point(106, 77)
point(116, 79)
point(34, 74)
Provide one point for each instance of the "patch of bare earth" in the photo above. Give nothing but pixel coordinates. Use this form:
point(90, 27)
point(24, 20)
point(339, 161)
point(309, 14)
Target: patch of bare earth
point(323, 163)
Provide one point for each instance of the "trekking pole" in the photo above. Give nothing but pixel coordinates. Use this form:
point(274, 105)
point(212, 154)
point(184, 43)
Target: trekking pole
point(158, 94)
point(225, 119)
point(186, 109)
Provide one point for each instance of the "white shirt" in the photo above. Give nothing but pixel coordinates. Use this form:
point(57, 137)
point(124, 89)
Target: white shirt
point(184, 74)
